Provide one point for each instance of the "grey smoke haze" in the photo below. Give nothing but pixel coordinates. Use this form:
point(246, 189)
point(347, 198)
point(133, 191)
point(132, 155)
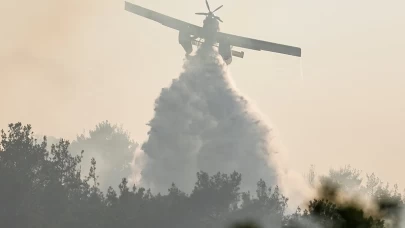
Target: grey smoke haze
point(73, 65)
point(202, 123)
point(380, 206)
point(111, 147)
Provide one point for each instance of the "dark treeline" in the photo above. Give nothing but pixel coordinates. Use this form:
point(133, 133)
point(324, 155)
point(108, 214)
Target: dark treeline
point(45, 186)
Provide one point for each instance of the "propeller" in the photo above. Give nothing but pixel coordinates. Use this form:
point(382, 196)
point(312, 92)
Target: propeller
point(217, 9)
point(211, 13)
point(208, 5)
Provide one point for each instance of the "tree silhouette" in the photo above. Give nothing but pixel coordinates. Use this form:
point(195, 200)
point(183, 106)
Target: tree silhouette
point(45, 186)
point(113, 149)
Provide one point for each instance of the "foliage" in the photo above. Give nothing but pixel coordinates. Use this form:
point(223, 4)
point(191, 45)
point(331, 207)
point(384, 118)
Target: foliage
point(112, 147)
point(43, 186)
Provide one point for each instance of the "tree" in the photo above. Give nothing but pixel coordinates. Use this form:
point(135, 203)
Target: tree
point(347, 178)
point(43, 186)
point(327, 213)
point(213, 196)
point(337, 204)
point(36, 184)
point(21, 165)
point(113, 149)
point(311, 176)
point(267, 208)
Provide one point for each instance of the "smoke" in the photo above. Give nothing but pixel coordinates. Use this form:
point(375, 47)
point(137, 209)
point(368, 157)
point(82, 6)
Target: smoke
point(342, 207)
point(203, 123)
point(39, 31)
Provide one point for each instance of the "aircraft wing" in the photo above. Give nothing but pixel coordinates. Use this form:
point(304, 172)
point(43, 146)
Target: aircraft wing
point(163, 19)
point(259, 45)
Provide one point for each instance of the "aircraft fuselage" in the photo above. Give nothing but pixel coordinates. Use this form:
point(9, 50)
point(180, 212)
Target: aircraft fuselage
point(209, 31)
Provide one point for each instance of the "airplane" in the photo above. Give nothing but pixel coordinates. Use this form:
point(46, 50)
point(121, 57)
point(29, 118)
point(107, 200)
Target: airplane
point(209, 34)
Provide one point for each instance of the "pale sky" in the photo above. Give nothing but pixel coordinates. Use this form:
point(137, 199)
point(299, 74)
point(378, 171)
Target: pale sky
point(67, 65)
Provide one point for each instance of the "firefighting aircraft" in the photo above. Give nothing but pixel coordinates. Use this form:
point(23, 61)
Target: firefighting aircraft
point(209, 34)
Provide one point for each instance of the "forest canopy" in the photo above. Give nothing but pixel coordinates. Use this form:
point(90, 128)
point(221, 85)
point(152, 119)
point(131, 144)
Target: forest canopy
point(50, 186)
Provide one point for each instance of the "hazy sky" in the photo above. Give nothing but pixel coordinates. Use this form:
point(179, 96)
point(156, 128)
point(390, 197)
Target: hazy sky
point(67, 65)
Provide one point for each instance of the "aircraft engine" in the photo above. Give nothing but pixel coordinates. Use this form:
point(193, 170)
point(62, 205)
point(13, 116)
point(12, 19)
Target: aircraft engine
point(185, 41)
point(225, 51)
